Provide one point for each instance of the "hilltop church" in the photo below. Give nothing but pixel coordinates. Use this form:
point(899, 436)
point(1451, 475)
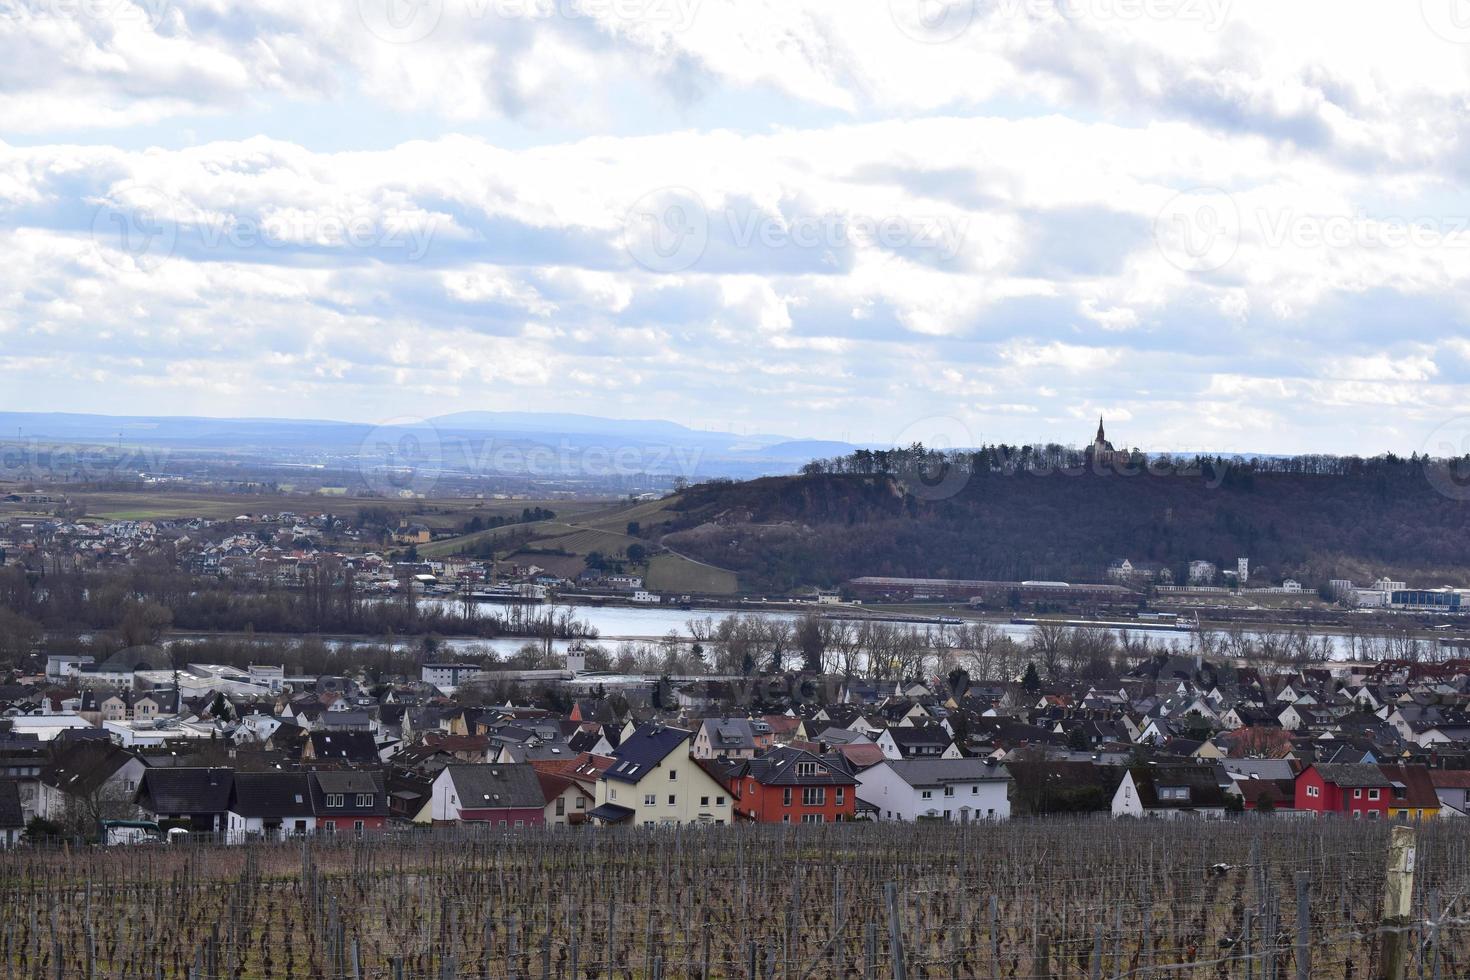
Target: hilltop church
point(1102, 451)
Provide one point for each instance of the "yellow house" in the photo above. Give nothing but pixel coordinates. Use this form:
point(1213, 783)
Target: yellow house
point(412, 534)
point(655, 781)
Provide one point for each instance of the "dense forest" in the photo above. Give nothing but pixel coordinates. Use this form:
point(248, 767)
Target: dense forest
point(1049, 513)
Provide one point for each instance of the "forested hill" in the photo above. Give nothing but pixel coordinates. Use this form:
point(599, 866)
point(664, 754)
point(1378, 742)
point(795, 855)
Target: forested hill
point(1309, 519)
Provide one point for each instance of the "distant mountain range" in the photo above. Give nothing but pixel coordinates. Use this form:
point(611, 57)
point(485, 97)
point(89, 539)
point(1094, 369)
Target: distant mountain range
point(666, 446)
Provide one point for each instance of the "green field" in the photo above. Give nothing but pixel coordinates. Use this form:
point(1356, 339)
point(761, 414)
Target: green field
point(675, 573)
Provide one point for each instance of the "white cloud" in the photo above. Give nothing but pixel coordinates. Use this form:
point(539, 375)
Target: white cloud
point(888, 223)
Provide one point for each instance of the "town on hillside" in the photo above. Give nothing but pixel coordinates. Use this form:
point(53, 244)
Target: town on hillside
point(138, 748)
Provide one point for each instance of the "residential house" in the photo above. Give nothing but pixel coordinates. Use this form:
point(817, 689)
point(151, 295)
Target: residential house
point(568, 801)
point(90, 780)
point(1366, 791)
point(732, 738)
point(198, 798)
point(654, 780)
point(269, 805)
point(926, 742)
point(503, 794)
point(349, 748)
point(349, 800)
point(1169, 792)
point(789, 785)
point(949, 789)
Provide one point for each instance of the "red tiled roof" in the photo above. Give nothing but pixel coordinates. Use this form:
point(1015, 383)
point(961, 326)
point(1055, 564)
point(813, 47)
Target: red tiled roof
point(1450, 778)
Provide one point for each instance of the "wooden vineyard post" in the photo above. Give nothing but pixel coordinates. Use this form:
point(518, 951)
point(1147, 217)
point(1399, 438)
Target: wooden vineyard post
point(1303, 925)
point(1398, 894)
point(895, 931)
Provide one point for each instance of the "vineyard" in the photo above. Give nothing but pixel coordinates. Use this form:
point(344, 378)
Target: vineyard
point(1259, 899)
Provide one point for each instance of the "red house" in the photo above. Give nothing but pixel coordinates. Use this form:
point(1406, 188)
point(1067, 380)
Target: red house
point(788, 785)
point(349, 801)
point(1365, 791)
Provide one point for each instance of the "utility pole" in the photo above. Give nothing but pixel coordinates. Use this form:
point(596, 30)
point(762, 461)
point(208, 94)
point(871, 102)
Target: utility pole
point(1398, 894)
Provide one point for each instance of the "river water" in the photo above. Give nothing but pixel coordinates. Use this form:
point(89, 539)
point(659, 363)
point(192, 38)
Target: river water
point(619, 624)
point(616, 624)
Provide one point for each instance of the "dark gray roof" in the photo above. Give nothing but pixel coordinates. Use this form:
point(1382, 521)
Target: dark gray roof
point(353, 781)
point(497, 787)
point(1353, 775)
point(645, 748)
point(84, 766)
point(792, 767)
point(358, 747)
point(271, 794)
point(186, 791)
point(731, 734)
point(349, 785)
point(936, 772)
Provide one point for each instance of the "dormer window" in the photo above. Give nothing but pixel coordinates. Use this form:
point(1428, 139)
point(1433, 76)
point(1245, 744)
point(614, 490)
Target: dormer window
point(1176, 793)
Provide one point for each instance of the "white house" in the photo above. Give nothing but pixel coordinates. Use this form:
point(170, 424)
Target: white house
point(910, 742)
point(1168, 792)
point(95, 778)
point(958, 790)
point(270, 806)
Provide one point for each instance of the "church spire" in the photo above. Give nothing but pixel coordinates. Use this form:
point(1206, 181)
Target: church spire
point(1100, 437)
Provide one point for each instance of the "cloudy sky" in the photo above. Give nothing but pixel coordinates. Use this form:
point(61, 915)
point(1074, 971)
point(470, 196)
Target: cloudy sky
point(1225, 224)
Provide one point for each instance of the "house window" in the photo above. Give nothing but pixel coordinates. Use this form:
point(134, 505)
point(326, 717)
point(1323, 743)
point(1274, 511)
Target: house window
point(786, 796)
point(673, 775)
point(719, 801)
point(1357, 794)
point(926, 794)
point(336, 799)
point(839, 796)
point(672, 800)
point(813, 796)
point(704, 801)
point(811, 818)
point(364, 799)
point(329, 827)
point(561, 806)
point(650, 799)
point(1314, 791)
point(357, 825)
point(1173, 792)
point(581, 803)
point(949, 791)
point(1373, 794)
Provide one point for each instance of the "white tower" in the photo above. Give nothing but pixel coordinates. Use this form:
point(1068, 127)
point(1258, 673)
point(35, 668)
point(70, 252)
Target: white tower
point(1242, 570)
